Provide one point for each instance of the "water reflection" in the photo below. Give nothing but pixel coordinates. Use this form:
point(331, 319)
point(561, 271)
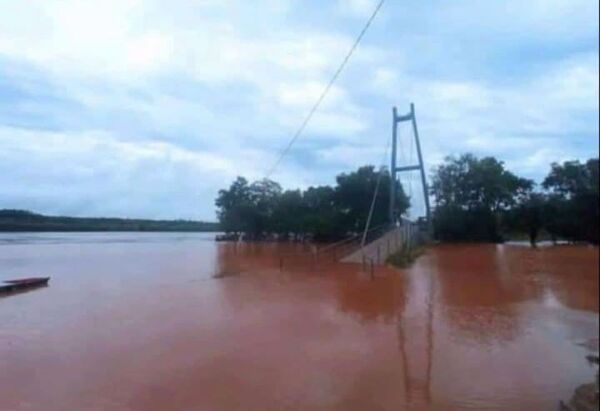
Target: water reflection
point(415, 325)
point(5, 294)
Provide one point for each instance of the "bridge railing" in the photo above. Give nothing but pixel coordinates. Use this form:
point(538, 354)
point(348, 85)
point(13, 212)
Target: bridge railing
point(377, 250)
point(334, 251)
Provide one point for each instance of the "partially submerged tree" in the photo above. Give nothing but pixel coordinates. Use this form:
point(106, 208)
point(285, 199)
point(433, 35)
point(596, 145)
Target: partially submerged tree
point(476, 198)
point(323, 213)
point(471, 194)
point(288, 208)
point(574, 207)
point(234, 206)
point(529, 216)
point(354, 194)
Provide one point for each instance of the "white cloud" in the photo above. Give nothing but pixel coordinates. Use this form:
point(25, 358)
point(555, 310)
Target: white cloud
point(347, 157)
point(304, 95)
point(68, 169)
point(101, 52)
point(81, 37)
point(357, 8)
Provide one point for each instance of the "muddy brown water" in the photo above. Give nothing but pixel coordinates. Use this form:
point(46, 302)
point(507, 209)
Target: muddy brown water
point(138, 322)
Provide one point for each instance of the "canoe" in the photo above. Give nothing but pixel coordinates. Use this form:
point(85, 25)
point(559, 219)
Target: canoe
point(23, 284)
point(29, 281)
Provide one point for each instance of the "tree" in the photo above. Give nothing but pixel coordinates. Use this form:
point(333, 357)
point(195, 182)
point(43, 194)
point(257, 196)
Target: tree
point(233, 206)
point(529, 215)
point(288, 214)
point(473, 183)
point(574, 209)
point(264, 196)
point(322, 219)
point(471, 195)
point(354, 194)
point(262, 209)
point(557, 218)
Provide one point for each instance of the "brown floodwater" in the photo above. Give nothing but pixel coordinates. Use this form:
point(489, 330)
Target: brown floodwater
point(159, 322)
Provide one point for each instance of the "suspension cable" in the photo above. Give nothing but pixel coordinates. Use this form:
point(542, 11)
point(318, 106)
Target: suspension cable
point(372, 208)
point(315, 106)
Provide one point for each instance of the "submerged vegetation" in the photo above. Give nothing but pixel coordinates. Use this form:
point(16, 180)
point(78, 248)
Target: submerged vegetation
point(21, 220)
point(262, 209)
point(479, 200)
point(476, 199)
point(405, 256)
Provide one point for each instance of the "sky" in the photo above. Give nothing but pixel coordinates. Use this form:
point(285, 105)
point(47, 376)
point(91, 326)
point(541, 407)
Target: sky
point(146, 108)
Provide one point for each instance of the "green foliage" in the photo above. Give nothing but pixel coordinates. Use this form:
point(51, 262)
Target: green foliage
point(262, 209)
point(529, 215)
point(471, 195)
point(321, 218)
point(234, 205)
point(476, 199)
point(249, 208)
point(405, 256)
point(573, 208)
point(286, 212)
point(354, 193)
point(21, 220)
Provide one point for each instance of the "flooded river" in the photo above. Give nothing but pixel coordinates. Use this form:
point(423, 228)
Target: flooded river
point(159, 322)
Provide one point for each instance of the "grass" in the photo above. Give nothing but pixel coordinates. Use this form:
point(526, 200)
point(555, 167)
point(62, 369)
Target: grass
point(405, 256)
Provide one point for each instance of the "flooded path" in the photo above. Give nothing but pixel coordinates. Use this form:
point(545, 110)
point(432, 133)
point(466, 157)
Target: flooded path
point(138, 322)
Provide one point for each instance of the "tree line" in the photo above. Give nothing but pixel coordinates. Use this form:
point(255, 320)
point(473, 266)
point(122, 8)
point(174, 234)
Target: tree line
point(475, 199)
point(23, 220)
point(263, 210)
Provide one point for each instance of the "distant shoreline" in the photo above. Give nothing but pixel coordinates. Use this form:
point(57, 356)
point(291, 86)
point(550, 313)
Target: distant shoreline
point(27, 221)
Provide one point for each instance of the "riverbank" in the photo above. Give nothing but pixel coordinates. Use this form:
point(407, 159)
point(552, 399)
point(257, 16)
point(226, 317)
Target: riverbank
point(26, 221)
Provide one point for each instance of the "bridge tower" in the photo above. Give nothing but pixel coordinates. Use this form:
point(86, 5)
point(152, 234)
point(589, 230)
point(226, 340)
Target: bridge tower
point(394, 169)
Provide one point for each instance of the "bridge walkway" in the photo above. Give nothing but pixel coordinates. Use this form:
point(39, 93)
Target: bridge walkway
point(407, 234)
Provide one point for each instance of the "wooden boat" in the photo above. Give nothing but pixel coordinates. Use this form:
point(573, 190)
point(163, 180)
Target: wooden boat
point(21, 284)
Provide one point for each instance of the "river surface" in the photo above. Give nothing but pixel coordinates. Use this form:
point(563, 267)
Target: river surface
point(161, 321)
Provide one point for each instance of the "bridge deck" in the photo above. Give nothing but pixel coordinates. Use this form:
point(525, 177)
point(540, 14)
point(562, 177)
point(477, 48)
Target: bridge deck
point(380, 249)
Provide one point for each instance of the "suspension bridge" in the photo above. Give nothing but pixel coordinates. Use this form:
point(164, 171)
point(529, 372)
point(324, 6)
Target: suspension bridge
point(401, 233)
point(374, 245)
